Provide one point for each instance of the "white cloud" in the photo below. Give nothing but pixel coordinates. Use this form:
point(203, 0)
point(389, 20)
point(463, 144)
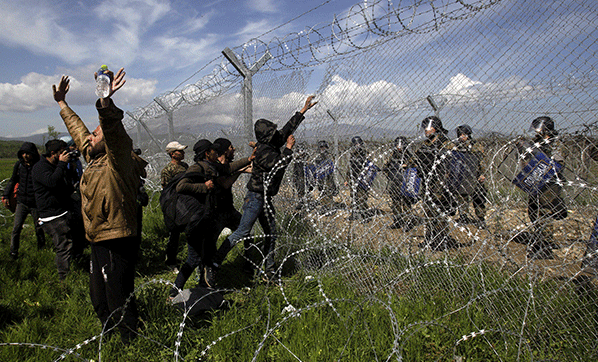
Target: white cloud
point(139, 29)
point(459, 84)
point(253, 29)
point(377, 96)
point(135, 14)
point(462, 89)
point(263, 6)
point(34, 92)
point(194, 24)
point(38, 28)
point(179, 52)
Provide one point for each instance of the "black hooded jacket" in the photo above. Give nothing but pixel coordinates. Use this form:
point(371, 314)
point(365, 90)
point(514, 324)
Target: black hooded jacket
point(53, 189)
point(21, 173)
point(357, 162)
point(268, 155)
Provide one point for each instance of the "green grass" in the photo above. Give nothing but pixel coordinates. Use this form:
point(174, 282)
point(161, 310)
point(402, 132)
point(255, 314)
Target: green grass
point(420, 314)
point(6, 167)
point(9, 149)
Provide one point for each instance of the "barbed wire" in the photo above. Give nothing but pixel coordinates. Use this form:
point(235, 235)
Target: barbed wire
point(363, 26)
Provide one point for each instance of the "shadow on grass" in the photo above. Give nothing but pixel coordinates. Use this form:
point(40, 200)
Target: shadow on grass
point(9, 316)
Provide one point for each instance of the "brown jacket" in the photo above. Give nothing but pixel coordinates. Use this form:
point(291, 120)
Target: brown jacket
point(111, 182)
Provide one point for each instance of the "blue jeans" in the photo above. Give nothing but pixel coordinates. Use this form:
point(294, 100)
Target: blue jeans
point(256, 207)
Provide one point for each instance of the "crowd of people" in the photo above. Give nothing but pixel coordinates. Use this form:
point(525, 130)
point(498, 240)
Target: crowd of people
point(99, 206)
point(447, 175)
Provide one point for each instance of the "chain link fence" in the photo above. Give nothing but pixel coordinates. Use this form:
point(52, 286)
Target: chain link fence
point(503, 225)
point(469, 221)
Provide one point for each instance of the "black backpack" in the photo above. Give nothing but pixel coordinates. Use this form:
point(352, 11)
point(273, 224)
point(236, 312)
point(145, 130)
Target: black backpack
point(182, 211)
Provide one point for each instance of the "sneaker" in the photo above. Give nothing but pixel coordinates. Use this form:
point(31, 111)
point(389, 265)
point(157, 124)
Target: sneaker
point(209, 276)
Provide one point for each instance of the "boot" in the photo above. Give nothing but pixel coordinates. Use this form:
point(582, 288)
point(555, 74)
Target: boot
point(481, 224)
point(540, 250)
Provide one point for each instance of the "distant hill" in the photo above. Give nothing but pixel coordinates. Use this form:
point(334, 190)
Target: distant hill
point(38, 139)
point(8, 149)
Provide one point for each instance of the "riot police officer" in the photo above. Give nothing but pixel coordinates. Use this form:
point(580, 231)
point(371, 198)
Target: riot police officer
point(547, 203)
point(359, 191)
point(467, 158)
point(394, 169)
point(432, 160)
point(324, 176)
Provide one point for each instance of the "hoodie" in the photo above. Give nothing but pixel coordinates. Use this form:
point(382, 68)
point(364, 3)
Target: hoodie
point(21, 173)
point(269, 157)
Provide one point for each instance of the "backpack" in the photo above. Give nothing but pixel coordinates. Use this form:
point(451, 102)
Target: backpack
point(182, 211)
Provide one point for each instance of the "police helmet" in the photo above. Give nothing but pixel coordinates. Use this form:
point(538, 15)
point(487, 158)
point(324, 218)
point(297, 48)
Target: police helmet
point(464, 130)
point(543, 125)
point(356, 141)
point(401, 142)
point(433, 122)
point(322, 144)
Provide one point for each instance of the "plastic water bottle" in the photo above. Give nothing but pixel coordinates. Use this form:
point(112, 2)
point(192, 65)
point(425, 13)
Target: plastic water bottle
point(103, 82)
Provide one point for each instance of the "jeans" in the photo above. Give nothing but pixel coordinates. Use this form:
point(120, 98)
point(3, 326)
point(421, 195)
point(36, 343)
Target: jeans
point(61, 236)
point(256, 207)
point(21, 213)
point(193, 261)
point(199, 251)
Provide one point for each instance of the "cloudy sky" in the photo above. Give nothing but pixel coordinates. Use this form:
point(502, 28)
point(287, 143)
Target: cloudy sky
point(160, 43)
point(507, 52)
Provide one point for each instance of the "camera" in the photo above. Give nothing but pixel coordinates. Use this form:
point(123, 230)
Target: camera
point(74, 154)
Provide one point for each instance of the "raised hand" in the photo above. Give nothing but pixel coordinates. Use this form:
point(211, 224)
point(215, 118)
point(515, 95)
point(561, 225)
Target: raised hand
point(308, 104)
point(62, 89)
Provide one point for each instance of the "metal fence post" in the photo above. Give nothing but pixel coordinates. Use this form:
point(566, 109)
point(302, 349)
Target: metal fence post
point(247, 74)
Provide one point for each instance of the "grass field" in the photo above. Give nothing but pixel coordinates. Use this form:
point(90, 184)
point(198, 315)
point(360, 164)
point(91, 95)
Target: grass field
point(431, 313)
point(6, 167)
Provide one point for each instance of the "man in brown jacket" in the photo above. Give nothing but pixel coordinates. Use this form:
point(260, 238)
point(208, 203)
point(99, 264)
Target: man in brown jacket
point(109, 187)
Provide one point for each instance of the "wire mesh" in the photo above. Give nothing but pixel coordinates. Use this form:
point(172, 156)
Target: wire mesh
point(437, 214)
